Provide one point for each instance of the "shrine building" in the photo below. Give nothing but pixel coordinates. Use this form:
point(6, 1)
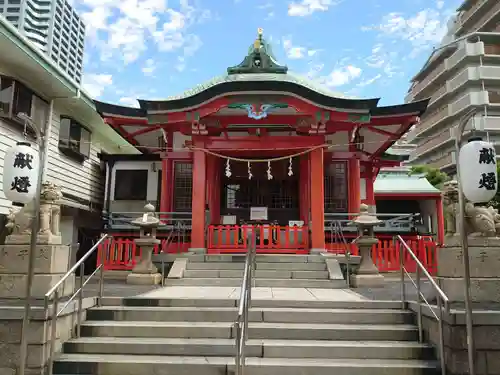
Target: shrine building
point(261, 149)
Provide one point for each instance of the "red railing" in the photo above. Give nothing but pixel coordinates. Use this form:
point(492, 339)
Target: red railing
point(386, 256)
point(123, 254)
point(269, 238)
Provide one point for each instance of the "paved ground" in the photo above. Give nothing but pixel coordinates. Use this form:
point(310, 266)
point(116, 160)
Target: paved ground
point(391, 291)
point(300, 294)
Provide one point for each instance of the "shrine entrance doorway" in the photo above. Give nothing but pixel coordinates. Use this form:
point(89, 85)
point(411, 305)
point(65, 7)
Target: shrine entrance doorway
point(271, 186)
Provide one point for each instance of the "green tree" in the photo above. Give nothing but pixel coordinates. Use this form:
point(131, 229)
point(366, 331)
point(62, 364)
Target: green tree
point(435, 177)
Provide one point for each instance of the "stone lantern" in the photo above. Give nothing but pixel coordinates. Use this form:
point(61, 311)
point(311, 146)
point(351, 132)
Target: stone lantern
point(367, 275)
point(145, 272)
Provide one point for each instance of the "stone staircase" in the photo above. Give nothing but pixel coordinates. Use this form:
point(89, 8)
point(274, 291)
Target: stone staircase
point(196, 336)
point(302, 271)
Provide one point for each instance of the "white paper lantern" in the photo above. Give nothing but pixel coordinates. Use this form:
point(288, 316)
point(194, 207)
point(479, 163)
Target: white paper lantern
point(478, 170)
point(20, 173)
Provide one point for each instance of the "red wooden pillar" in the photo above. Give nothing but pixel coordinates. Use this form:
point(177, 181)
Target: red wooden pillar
point(303, 193)
point(354, 175)
point(317, 192)
point(213, 188)
point(198, 201)
point(169, 176)
point(440, 220)
point(370, 192)
point(217, 191)
point(164, 198)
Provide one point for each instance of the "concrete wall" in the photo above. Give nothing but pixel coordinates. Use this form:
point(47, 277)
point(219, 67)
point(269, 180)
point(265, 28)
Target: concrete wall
point(486, 337)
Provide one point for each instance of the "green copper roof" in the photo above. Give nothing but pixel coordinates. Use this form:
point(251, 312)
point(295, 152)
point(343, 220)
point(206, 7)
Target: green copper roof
point(398, 180)
point(288, 77)
point(259, 65)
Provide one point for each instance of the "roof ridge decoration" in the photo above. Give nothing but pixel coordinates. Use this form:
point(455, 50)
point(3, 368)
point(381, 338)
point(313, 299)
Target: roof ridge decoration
point(260, 59)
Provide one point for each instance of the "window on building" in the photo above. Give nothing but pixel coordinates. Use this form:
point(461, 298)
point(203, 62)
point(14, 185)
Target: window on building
point(16, 98)
point(131, 185)
point(335, 185)
point(183, 186)
point(74, 139)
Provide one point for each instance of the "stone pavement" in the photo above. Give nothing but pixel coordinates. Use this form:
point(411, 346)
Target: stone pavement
point(259, 293)
point(391, 291)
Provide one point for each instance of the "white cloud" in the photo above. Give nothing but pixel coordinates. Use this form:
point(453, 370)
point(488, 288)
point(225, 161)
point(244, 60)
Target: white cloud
point(129, 101)
point(308, 7)
point(296, 52)
point(124, 27)
point(369, 81)
point(149, 67)
point(95, 84)
point(422, 30)
point(181, 64)
point(342, 76)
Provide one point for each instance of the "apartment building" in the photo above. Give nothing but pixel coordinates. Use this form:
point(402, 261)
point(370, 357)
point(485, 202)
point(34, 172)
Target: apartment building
point(32, 84)
point(54, 27)
point(458, 78)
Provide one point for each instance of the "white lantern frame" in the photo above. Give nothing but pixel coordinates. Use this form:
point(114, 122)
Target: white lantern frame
point(20, 173)
point(478, 170)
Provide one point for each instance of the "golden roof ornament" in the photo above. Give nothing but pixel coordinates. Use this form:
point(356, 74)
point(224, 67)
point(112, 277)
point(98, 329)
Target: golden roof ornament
point(258, 42)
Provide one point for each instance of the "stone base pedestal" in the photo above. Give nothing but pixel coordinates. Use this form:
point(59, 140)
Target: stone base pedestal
point(144, 278)
point(367, 275)
point(317, 251)
point(41, 239)
point(484, 258)
point(197, 250)
point(51, 264)
point(367, 281)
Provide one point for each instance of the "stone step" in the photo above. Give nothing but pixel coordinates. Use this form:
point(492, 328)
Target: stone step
point(283, 283)
point(229, 314)
point(298, 304)
point(100, 364)
point(254, 348)
point(276, 331)
point(283, 266)
point(263, 274)
point(260, 258)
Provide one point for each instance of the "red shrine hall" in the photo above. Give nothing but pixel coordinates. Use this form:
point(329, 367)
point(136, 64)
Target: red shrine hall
point(256, 150)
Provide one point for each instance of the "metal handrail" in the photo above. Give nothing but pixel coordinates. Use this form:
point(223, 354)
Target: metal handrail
point(339, 234)
point(245, 300)
point(54, 294)
point(440, 297)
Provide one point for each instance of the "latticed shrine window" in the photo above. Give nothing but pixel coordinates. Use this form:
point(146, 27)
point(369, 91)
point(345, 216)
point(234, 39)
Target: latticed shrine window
point(336, 187)
point(183, 186)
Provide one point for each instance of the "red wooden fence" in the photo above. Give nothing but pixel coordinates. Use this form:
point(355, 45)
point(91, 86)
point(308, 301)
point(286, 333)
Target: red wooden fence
point(123, 254)
point(269, 238)
point(386, 255)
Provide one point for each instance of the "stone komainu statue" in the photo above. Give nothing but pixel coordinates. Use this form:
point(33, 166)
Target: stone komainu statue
point(480, 221)
point(19, 221)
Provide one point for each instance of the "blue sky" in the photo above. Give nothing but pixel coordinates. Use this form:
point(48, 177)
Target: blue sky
point(151, 49)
